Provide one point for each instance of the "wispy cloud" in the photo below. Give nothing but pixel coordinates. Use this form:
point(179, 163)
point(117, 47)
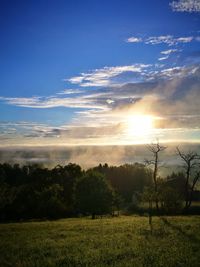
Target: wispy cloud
point(163, 58)
point(134, 40)
point(110, 96)
point(185, 5)
point(171, 96)
point(168, 52)
point(52, 102)
point(70, 91)
point(103, 77)
point(169, 40)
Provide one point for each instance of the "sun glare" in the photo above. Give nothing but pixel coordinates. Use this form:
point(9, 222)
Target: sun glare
point(139, 125)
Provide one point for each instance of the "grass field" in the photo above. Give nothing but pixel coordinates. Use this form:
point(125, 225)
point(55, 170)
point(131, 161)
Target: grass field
point(123, 241)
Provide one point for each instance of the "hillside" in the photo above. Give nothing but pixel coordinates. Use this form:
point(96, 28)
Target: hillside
point(122, 241)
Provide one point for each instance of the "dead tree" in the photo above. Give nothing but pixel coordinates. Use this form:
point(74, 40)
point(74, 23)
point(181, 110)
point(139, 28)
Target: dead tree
point(155, 149)
point(191, 163)
point(195, 179)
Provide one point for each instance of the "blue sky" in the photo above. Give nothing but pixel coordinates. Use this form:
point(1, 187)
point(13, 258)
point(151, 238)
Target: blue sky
point(74, 72)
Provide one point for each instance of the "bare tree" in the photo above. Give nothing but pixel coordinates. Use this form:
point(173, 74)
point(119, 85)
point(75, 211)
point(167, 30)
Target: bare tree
point(155, 149)
point(191, 163)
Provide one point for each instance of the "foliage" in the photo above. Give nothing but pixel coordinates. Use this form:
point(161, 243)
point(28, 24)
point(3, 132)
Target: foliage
point(32, 191)
point(93, 194)
point(127, 178)
point(171, 201)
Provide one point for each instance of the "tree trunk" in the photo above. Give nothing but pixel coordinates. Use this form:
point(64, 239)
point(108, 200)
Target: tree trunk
point(186, 188)
point(155, 180)
point(196, 178)
point(150, 216)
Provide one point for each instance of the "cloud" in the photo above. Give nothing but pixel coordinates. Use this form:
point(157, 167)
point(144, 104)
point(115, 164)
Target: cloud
point(168, 52)
point(103, 77)
point(134, 40)
point(169, 94)
point(53, 102)
point(186, 6)
point(163, 58)
point(111, 96)
point(171, 97)
point(70, 91)
point(170, 40)
point(184, 39)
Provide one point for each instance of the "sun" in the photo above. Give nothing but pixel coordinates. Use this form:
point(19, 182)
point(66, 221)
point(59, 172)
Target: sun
point(139, 125)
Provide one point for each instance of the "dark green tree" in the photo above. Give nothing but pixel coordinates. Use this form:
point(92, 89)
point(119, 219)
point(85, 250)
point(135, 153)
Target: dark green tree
point(127, 178)
point(93, 194)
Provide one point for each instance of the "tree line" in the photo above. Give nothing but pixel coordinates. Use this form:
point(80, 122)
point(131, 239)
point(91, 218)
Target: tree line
point(36, 192)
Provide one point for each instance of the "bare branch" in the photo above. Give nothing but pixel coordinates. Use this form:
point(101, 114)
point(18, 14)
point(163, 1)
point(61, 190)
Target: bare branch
point(191, 160)
point(156, 148)
point(188, 157)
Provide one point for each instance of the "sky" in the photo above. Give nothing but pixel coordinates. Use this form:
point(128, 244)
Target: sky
point(94, 72)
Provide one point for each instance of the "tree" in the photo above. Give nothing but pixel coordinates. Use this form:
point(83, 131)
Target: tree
point(191, 162)
point(149, 196)
point(93, 194)
point(66, 176)
point(117, 202)
point(127, 178)
point(7, 198)
point(170, 199)
point(50, 202)
point(155, 149)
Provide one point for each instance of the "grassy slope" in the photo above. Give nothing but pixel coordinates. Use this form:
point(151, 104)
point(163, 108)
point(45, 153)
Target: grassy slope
point(124, 241)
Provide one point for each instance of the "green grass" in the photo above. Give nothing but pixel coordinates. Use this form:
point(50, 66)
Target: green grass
point(123, 241)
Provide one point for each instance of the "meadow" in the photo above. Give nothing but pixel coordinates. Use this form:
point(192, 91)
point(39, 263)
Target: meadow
point(119, 241)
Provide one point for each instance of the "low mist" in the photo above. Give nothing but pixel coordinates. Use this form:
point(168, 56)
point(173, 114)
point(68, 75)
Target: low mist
point(89, 156)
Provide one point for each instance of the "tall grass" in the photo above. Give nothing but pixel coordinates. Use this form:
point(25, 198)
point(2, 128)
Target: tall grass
point(123, 241)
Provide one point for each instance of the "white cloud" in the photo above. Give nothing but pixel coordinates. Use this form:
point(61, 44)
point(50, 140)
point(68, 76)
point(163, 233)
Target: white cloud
point(75, 79)
point(168, 52)
point(186, 5)
point(52, 102)
point(70, 91)
point(110, 101)
point(163, 58)
point(134, 40)
point(172, 72)
point(104, 99)
point(102, 77)
point(107, 110)
point(184, 39)
point(167, 39)
point(170, 40)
